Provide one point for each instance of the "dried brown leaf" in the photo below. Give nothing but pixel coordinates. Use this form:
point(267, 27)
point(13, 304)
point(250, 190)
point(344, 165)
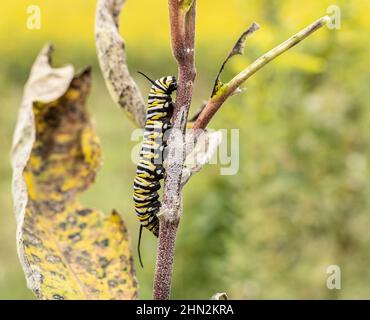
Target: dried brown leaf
point(200, 154)
point(220, 296)
point(113, 61)
point(67, 251)
point(238, 49)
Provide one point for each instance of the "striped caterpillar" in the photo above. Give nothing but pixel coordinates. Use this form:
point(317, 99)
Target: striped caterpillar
point(150, 169)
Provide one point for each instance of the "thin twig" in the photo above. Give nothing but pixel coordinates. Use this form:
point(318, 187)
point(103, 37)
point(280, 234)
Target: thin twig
point(228, 89)
point(182, 23)
point(165, 258)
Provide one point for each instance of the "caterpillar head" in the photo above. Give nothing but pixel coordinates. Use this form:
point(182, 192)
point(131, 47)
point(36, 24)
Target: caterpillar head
point(171, 84)
point(165, 85)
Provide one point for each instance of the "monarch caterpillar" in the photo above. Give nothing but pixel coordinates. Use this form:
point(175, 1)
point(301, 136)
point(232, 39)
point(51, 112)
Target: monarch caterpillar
point(150, 169)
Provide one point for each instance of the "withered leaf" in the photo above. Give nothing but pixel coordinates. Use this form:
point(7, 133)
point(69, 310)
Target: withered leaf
point(240, 44)
point(238, 48)
point(200, 154)
point(111, 52)
point(220, 296)
point(67, 251)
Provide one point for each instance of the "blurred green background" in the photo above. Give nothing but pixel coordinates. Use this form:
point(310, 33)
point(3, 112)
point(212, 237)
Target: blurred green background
point(301, 199)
